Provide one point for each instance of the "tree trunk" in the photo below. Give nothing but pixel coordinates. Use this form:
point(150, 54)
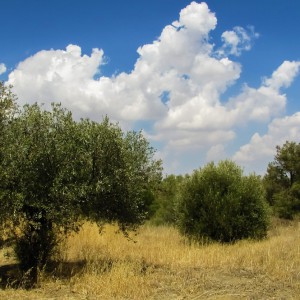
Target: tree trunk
point(34, 248)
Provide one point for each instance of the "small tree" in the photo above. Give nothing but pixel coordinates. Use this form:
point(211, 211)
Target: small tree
point(219, 203)
point(287, 202)
point(55, 171)
point(40, 179)
point(282, 180)
point(166, 196)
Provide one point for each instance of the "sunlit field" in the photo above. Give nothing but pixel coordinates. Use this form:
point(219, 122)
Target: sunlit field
point(158, 263)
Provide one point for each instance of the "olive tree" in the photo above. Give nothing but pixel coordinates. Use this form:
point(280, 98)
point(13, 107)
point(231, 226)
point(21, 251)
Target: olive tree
point(219, 203)
point(282, 180)
point(55, 172)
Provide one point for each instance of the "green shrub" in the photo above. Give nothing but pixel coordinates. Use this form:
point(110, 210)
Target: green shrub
point(282, 181)
point(287, 202)
point(166, 195)
point(219, 203)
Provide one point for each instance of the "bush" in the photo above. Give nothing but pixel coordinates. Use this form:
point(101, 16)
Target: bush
point(166, 195)
point(282, 181)
point(287, 202)
point(219, 203)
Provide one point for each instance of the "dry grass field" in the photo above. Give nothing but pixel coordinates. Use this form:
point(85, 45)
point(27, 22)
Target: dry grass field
point(161, 264)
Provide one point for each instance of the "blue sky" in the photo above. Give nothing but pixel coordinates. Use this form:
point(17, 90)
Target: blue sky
point(205, 81)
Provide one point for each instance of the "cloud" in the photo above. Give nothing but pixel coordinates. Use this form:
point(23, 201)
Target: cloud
point(69, 77)
point(283, 76)
point(203, 114)
point(216, 153)
point(261, 148)
point(237, 40)
point(175, 85)
point(197, 17)
point(2, 68)
point(57, 75)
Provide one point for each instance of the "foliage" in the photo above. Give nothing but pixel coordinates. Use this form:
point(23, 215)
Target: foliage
point(219, 203)
point(120, 174)
point(283, 179)
point(55, 171)
point(7, 104)
point(8, 108)
point(287, 202)
point(165, 203)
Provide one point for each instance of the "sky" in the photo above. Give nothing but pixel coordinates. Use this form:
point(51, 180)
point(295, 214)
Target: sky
point(204, 81)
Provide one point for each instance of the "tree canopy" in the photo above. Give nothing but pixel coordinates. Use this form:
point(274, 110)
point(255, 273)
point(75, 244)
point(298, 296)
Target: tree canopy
point(55, 171)
point(282, 181)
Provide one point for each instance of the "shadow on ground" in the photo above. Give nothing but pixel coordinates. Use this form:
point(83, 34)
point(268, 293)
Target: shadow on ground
point(12, 277)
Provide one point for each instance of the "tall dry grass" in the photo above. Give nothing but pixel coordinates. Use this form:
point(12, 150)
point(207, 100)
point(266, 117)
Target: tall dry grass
point(160, 264)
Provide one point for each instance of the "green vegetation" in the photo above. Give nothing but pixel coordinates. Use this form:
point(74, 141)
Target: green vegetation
point(282, 181)
point(219, 203)
point(55, 172)
point(166, 198)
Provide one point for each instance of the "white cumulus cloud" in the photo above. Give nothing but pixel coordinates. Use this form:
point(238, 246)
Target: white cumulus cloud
point(203, 113)
point(284, 75)
point(237, 40)
point(180, 52)
point(261, 148)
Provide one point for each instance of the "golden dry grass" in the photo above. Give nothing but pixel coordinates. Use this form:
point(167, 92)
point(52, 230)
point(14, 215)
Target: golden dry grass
point(161, 264)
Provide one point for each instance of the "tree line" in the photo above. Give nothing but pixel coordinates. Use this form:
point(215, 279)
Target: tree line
point(56, 173)
point(218, 194)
